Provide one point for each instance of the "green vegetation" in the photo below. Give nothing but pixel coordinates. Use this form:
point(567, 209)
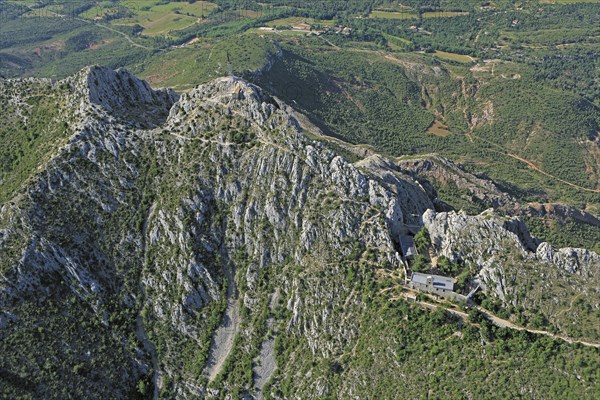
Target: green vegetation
point(345, 92)
point(422, 240)
point(163, 19)
point(460, 58)
point(73, 349)
point(392, 15)
point(24, 146)
point(571, 234)
point(184, 68)
point(505, 88)
point(453, 358)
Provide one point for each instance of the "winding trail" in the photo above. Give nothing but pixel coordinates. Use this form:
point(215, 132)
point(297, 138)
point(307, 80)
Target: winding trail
point(499, 322)
point(531, 165)
point(126, 36)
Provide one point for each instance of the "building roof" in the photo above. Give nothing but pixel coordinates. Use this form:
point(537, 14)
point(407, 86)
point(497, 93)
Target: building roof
point(408, 246)
point(442, 282)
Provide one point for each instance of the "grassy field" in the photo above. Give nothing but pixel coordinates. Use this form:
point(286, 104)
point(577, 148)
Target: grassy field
point(382, 14)
point(461, 58)
point(184, 68)
point(438, 129)
point(163, 19)
point(392, 15)
point(444, 14)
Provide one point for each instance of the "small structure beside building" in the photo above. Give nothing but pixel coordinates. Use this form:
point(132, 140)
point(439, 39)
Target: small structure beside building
point(409, 250)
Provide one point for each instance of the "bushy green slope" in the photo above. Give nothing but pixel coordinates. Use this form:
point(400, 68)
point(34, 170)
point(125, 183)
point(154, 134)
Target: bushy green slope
point(31, 130)
point(547, 126)
point(389, 101)
point(358, 97)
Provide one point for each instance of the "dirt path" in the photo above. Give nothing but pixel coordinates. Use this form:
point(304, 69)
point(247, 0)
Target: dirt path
point(499, 322)
point(126, 36)
point(502, 323)
point(477, 37)
point(534, 167)
point(329, 43)
point(531, 165)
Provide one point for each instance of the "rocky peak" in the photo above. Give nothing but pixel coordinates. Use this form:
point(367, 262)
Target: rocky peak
point(122, 95)
point(233, 96)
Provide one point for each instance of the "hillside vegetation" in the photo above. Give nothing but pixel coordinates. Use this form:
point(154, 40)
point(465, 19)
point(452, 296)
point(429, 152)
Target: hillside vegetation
point(161, 214)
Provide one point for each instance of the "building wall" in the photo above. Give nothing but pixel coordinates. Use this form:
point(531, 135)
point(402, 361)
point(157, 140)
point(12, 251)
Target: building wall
point(448, 294)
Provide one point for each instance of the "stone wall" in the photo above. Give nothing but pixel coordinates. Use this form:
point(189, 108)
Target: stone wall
point(448, 294)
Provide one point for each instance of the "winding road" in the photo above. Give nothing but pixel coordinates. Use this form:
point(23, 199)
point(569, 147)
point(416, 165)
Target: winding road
point(499, 322)
point(126, 36)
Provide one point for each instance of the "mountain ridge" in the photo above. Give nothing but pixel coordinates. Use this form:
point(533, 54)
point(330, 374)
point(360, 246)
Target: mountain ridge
point(153, 230)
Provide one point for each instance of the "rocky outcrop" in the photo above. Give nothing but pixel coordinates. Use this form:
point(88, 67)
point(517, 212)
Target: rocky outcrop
point(483, 193)
point(513, 267)
point(488, 233)
point(123, 96)
point(441, 172)
point(574, 261)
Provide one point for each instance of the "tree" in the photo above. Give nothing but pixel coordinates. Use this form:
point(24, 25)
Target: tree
point(422, 240)
point(475, 315)
point(141, 387)
point(420, 264)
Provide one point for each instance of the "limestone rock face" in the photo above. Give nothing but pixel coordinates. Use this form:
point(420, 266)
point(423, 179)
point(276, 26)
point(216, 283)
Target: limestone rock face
point(160, 210)
point(570, 259)
point(481, 192)
point(123, 95)
point(512, 266)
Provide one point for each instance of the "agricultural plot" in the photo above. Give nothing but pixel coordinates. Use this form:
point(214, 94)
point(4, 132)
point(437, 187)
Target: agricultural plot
point(164, 19)
point(444, 14)
point(383, 14)
point(461, 58)
point(298, 22)
point(392, 15)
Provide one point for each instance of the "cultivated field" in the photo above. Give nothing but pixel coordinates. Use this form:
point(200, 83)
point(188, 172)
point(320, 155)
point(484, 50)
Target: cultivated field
point(162, 19)
point(454, 57)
